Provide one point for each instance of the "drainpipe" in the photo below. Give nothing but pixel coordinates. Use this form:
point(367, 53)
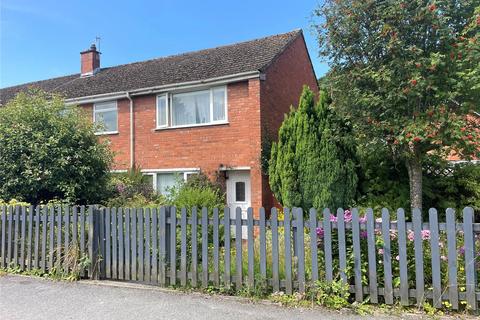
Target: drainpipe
point(132, 148)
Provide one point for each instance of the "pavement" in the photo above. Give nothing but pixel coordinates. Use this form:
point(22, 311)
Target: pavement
point(24, 297)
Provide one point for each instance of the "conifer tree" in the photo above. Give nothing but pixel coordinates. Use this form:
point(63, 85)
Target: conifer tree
point(313, 162)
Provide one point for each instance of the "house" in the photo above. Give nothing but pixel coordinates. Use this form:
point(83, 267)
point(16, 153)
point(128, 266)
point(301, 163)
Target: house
point(211, 110)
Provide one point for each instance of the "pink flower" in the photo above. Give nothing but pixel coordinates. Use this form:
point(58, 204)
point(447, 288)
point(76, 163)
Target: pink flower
point(320, 232)
point(411, 235)
point(425, 234)
point(441, 244)
point(380, 251)
point(397, 258)
point(363, 219)
point(333, 218)
point(363, 234)
point(393, 234)
point(461, 251)
point(378, 232)
point(348, 216)
point(378, 220)
point(444, 258)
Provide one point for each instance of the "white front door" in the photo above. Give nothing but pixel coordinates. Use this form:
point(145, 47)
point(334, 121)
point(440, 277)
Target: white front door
point(238, 195)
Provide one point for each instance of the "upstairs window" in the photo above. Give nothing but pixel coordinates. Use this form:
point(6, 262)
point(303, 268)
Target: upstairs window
point(192, 108)
point(105, 117)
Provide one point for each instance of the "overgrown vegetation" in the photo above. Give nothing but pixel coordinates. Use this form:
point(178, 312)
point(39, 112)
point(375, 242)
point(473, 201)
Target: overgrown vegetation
point(50, 151)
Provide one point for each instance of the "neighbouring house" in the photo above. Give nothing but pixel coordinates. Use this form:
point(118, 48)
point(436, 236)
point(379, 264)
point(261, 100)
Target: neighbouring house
point(211, 110)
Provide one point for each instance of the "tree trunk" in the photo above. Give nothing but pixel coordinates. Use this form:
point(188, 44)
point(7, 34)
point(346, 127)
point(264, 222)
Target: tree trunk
point(414, 167)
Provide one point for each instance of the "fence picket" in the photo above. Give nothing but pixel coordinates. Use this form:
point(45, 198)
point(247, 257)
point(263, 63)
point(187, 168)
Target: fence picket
point(133, 245)
point(66, 236)
point(435, 251)
point(313, 243)
point(75, 227)
point(372, 257)
point(387, 257)
point(418, 245)
point(342, 247)
point(300, 251)
point(238, 248)
point(3, 261)
point(275, 247)
point(154, 254)
point(140, 243)
point(162, 250)
point(127, 245)
point(51, 227)
point(194, 247)
point(263, 245)
point(23, 231)
point(29, 238)
point(121, 249)
point(173, 246)
point(183, 248)
point(147, 256)
point(108, 243)
point(357, 267)
point(44, 238)
point(36, 261)
point(327, 242)
point(113, 219)
point(82, 229)
point(16, 235)
point(402, 253)
point(250, 249)
point(288, 251)
point(227, 232)
point(9, 237)
point(452, 258)
point(216, 245)
point(469, 243)
point(204, 247)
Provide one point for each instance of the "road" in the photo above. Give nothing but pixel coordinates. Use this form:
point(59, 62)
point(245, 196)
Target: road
point(34, 298)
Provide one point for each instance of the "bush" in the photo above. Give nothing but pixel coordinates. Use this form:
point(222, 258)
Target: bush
point(49, 150)
point(198, 191)
point(132, 189)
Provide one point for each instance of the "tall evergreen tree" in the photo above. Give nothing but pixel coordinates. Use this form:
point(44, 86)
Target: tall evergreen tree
point(313, 162)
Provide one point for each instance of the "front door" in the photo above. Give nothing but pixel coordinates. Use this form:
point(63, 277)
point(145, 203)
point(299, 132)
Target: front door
point(238, 195)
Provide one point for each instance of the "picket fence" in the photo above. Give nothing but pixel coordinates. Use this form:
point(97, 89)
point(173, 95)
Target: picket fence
point(161, 246)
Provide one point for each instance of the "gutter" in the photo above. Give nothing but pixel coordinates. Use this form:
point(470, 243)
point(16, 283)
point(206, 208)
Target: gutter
point(156, 89)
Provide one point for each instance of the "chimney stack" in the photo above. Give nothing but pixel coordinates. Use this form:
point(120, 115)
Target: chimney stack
point(90, 61)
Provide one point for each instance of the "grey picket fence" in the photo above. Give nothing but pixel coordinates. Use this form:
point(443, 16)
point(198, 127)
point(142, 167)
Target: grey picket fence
point(385, 260)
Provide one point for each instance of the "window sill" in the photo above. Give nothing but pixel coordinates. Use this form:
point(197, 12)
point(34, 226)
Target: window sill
point(193, 126)
point(106, 133)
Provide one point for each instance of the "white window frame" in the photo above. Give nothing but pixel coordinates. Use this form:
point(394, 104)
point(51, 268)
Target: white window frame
point(180, 171)
point(169, 102)
point(115, 108)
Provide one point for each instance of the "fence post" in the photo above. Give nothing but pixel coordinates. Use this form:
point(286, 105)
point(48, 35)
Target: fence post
point(95, 242)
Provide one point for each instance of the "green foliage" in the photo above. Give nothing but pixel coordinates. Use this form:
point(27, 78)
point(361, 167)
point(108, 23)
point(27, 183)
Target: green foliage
point(313, 162)
point(133, 189)
point(197, 191)
point(457, 190)
point(406, 73)
point(49, 150)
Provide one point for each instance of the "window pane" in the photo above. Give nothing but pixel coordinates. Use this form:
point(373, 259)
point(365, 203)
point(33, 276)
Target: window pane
point(107, 120)
point(191, 108)
point(166, 181)
point(161, 111)
point(240, 191)
point(105, 106)
point(218, 104)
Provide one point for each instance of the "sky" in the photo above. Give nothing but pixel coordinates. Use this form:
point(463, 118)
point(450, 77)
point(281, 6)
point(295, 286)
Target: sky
point(43, 39)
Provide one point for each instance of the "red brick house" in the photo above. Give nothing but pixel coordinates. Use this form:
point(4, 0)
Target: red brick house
point(210, 110)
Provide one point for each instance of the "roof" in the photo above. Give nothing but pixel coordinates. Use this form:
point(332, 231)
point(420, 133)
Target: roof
point(254, 55)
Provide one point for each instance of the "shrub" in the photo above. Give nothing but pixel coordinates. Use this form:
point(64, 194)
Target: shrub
point(198, 191)
point(49, 150)
point(132, 189)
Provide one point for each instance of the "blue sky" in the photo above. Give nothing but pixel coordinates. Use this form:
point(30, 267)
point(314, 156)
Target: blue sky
point(43, 39)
